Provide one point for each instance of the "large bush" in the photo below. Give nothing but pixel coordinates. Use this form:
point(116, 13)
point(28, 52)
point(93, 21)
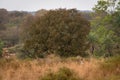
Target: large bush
point(57, 31)
point(63, 74)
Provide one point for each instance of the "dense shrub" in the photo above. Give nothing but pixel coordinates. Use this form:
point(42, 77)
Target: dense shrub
point(63, 74)
point(57, 31)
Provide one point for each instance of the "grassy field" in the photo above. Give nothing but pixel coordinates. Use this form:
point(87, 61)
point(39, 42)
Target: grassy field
point(86, 69)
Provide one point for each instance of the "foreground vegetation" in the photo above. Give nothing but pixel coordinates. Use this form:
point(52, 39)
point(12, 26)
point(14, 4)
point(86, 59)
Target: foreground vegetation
point(61, 44)
point(56, 68)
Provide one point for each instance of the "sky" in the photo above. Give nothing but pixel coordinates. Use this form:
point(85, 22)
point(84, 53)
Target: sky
point(34, 5)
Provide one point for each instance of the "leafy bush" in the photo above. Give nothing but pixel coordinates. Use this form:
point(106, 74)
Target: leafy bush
point(63, 74)
point(58, 31)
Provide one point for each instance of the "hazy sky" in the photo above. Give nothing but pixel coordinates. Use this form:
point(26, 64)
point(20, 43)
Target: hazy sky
point(33, 5)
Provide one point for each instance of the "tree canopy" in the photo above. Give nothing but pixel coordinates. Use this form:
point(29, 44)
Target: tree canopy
point(58, 31)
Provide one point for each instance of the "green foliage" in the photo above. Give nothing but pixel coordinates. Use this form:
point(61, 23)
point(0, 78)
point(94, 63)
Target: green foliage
point(104, 36)
point(102, 40)
point(101, 6)
point(58, 31)
point(1, 46)
point(63, 74)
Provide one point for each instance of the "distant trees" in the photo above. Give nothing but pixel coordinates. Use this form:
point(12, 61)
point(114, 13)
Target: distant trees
point(58, 31)
point(10, 36)
point(3, 18)
point(9, 26)
point(16, 18)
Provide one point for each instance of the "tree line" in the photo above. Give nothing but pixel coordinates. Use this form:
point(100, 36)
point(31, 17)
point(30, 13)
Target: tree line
point(65, 32)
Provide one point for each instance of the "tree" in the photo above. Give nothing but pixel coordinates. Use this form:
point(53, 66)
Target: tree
point(101, 40)
point(101, 6)
point(58, 31)
point(41, 12)
point(104, 35)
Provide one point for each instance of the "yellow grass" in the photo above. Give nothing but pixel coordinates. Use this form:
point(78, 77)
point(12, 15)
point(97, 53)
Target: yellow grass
point(34, 69)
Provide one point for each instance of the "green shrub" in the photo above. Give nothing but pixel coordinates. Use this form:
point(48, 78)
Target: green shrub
point(59, 31)
point(1, 46)
point(63, 74)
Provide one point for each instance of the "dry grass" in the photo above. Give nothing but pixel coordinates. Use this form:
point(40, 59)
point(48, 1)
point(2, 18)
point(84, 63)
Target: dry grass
point(14, 69)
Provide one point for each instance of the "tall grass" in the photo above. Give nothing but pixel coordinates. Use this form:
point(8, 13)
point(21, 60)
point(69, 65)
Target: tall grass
point(87, 69)
point(111, 68)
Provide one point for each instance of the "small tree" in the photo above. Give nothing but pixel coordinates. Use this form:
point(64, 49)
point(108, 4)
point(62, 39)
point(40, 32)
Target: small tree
point(58, 31)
